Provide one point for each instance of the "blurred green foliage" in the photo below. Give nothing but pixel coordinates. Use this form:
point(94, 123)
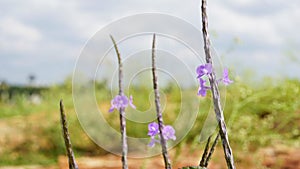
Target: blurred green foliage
point(256, 116)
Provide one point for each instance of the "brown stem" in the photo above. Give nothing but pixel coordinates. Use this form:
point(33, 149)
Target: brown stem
point(66, 135)
point(158, 110)
point(212, 149)
point(215, 92)
point(121, 110)
point(204, 155)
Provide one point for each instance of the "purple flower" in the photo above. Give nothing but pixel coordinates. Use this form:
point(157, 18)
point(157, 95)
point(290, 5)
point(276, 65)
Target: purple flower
point(225, 78)
point(202, 88)
point(169, 133)
point(152, 142)
point(131, 102)
point(120, 102)
point(153, 129)
point(204, 70)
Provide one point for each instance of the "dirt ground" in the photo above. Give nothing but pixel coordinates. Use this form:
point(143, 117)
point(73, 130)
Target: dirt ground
point(273, 158)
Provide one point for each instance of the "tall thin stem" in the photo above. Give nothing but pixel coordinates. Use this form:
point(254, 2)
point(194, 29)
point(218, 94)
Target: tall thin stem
point(211, 151)
point(158, 109)
point(121, 110)
point(204, 155)
point(66, 135)
point(215, 92)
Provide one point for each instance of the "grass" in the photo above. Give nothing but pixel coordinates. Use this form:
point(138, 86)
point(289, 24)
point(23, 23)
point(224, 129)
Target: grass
point(257, 117)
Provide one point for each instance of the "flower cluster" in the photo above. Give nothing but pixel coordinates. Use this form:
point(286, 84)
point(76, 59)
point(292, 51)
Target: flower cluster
point(203, 70)
point(153, 129)
point(121, 102)
point(225, 78)
point(206, 69)
point(168, 133)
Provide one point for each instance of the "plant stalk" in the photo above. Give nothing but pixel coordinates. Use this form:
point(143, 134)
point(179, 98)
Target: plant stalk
point(204, 155)
point(215, 92)
point(158, 109)
point(66, 135)
point(121, 110)
point(211, 151)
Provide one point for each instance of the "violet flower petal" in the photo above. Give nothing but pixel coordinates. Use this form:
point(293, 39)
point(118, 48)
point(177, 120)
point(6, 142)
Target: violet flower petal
point(202, 88)
point(111, 109)
point(153, 129)
point(169, 133)
point(226, 79)
point(152, 142)
point(204, 70)
point(118, 102)
point(131, 102)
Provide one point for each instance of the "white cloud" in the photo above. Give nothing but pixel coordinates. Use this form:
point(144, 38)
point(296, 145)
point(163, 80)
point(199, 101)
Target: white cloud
point(288, 22)
point(245, 2)
point(17, 36)
point(52, 30)
point(83, 23)
point(258, 28)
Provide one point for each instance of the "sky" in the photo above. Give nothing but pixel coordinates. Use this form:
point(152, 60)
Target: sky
point(45, 37)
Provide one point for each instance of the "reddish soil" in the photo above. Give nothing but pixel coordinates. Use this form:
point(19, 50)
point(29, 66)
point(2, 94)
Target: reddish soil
point(267, 158)
point(273, 158)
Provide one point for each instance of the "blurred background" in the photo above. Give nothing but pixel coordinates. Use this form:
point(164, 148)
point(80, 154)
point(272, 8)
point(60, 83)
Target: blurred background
point(41, 40)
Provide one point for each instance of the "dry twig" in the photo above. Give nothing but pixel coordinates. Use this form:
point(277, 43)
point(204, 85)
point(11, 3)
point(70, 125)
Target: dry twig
point(158, 110)
point(121, 110)
point(66, 135)
point(215, 92)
